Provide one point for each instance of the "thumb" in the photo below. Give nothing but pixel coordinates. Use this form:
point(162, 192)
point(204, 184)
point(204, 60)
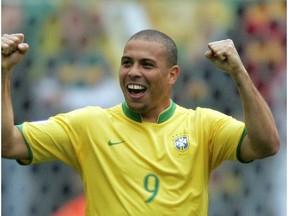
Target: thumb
point(23, 48)
point(209, 54)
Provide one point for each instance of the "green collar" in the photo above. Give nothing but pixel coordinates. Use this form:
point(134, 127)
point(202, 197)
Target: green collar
point(164, 116)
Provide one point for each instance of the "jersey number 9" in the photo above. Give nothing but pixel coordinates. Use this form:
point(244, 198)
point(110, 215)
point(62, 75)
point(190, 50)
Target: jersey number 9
point(151, 184)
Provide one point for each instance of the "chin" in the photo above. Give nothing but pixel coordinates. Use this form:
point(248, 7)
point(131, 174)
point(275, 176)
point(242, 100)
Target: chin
point(137, 107)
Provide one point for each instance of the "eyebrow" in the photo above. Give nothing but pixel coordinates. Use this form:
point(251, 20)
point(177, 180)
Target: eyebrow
point(125, 57)
point(141, 59)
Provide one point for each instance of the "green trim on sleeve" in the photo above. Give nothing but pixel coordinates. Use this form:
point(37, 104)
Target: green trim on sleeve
point(25, 162)
point(238, 155)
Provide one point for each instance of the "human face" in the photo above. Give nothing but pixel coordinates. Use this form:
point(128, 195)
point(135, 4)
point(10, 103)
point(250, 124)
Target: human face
point(145, 78)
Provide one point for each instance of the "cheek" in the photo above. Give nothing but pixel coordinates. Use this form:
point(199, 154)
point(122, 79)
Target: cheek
point(160, 85)
point(161, 81)
point(121, 77)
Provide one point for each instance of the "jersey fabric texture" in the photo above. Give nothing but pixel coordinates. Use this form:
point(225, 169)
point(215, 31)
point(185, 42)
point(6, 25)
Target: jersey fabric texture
point(130, 167)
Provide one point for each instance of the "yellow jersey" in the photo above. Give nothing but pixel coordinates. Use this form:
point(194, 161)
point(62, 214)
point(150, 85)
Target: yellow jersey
point(131, 167)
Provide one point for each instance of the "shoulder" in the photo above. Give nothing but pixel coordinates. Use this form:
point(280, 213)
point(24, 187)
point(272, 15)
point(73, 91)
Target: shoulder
point(198, 111)
point(201, 114)
point(85, 114)
point(208, 112)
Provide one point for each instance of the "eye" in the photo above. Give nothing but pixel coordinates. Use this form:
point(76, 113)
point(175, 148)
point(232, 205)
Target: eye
point(147, 64)
point(126, 63)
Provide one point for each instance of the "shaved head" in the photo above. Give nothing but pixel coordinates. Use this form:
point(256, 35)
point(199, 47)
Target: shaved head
point(159, 37)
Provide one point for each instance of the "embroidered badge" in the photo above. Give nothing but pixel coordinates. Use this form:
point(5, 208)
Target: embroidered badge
point(181, 143)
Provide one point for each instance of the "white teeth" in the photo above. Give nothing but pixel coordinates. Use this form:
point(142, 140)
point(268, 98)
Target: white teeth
point(136, 87)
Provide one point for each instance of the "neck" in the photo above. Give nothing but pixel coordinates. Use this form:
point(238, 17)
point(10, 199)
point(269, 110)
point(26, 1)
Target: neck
point(156, 117)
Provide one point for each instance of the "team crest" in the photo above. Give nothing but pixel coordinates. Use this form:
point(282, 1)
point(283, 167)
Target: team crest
point(181, 143)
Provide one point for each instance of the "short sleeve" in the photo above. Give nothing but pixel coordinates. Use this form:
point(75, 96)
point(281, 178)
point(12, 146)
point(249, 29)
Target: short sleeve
point(54, 139)
point(225, 135)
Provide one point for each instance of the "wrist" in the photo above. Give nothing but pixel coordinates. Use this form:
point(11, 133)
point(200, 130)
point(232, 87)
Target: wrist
point(6, 73)
point(240, 75)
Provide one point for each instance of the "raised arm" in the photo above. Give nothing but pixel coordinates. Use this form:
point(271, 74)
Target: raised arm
point(13, 50)
point(262, 138)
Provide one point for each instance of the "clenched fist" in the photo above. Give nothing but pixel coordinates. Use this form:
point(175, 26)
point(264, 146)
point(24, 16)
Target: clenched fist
point(225, 56)
point(13, 50)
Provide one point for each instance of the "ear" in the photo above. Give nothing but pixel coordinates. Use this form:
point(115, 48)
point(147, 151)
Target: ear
point(173, 74)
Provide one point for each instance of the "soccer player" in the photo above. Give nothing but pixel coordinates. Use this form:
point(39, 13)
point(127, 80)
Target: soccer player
point(148, 155)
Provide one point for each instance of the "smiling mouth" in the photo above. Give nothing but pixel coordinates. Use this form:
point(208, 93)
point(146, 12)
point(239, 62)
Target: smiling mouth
point(136, 90)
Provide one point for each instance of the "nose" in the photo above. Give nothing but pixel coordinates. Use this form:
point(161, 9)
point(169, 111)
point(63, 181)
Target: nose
point(135, 71)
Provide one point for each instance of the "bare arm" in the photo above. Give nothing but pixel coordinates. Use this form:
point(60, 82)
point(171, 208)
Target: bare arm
point(263, 139)
point(13, 50)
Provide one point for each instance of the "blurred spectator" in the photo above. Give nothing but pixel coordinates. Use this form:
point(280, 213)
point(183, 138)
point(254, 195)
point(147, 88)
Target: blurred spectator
point(75, 207)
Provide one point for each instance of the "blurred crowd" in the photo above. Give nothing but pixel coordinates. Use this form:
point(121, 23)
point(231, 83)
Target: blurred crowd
point(75, 49)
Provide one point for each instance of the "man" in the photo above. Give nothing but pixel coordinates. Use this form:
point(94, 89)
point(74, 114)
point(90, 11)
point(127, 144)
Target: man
point(148, 155)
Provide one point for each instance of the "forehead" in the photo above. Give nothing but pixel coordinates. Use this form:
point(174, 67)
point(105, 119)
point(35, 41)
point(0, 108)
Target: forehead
point(143, 48)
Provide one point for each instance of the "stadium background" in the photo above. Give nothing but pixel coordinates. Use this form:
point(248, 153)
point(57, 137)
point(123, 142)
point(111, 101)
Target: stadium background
point(75, 48)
